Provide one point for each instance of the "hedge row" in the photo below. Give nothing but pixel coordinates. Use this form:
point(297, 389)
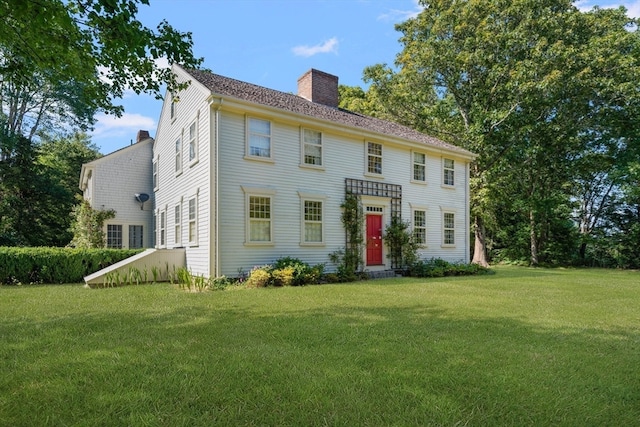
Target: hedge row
point(55, 265)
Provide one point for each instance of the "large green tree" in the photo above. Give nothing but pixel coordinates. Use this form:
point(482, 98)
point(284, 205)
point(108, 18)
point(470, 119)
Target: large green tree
point(523, 83)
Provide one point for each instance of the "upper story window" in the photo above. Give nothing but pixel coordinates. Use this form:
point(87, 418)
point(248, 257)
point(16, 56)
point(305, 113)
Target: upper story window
point(312, 147)
point(193, 142)
point(259, 138)
point(419, 167)
point(178, 155)
point(172, 108)
point(448, 167)
point(155, 174)
point(374, 158)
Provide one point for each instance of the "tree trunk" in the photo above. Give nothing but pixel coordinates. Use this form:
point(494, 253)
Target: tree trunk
point(534, 239)
point(479, 247)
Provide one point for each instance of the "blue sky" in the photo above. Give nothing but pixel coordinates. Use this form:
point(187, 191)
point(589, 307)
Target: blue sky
point(273, 42)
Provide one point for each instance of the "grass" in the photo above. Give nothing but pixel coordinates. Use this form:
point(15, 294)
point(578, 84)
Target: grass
point(521, 347)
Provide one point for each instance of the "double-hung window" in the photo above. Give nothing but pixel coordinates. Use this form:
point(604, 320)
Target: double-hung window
point(259, 138)
point(448, 166)
point(419, 167)
point(312, 147)
point(193, 142)
point(259, 219)
point(420, 227)
point(448, 229)
point(374, 158)
point(193, 220)
point(178, 155)
point(176, 224)
point(313, 221)
point(163, 228)
point(155, 174)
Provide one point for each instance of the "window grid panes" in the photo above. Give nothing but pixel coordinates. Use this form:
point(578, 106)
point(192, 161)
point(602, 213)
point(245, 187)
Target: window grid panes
point(448, 172)
point(155, 174)
point(176, 223)
point(312, 147)
point(193, 215)
point(136, 237)
point(420, 227)
point(449, 228)
point(259, 138)
point(374, 158)
point(419, 167)
point(193, 148)
point(178, 155)
point(312, 221)
point(259, 219)
point(163, 231)
point(114, 236)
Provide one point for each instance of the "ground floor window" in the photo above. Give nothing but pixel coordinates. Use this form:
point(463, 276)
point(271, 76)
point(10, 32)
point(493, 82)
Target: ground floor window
point(193, 220)
point(136, 237)
point(420, 227)
point(313, 221)
point(259, 219)
point(114, 236)
point(449, 233)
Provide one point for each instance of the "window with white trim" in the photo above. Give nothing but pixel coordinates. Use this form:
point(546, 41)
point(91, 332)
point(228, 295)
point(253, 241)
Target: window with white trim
point(259, 214)
point(420, 226)
point(178, 155)
point(312, 219)
point(114, 236)
point(136, 237)
point(258, 138)
point(374, 158)
point(419, 167)
point(312, 147)
point(448, 228)
point(155, 174)
point(193, 142)
point(176, 224)
point(193, 220)
point(163, 228)
point(172, 108)
point(448, 167)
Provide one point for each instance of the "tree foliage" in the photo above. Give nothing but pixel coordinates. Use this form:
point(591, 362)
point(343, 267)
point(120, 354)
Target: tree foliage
point(74, 58)
point(536, 88)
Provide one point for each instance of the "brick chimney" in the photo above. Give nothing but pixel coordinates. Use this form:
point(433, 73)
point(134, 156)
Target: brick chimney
point(142, 135)
point(320, 87)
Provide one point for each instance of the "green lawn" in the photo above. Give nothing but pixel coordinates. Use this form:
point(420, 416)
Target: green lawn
point(521, 347)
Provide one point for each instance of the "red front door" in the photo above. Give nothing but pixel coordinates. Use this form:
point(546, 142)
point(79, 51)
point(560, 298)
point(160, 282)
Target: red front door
point(374, 240)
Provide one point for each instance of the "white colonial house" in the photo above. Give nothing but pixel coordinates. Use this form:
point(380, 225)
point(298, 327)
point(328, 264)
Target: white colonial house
point(122, 181)
point(244, 175)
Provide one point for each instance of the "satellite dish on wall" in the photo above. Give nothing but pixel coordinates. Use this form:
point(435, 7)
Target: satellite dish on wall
point(141, 198)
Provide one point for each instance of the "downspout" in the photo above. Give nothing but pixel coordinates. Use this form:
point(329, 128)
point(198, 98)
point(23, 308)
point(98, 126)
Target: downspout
point(217, 187)
point(467, 209)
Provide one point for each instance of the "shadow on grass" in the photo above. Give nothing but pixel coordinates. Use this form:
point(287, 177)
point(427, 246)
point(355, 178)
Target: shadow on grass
point(335, 365)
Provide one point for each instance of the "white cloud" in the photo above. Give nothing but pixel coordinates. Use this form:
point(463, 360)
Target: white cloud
point(398, 15)
point(121, 128)
point(329, 46)
point(633, 7)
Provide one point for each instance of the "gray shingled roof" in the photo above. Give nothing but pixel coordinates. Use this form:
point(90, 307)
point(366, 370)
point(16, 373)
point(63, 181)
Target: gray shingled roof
point(225, 86)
